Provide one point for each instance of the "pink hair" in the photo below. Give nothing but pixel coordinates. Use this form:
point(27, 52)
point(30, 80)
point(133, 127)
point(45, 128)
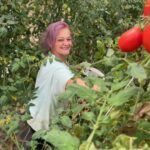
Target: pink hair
point(49, 36)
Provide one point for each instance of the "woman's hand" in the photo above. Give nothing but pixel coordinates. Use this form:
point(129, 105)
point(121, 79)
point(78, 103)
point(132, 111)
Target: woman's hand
point(96, 88)
point(83, 84)
point(77, 81)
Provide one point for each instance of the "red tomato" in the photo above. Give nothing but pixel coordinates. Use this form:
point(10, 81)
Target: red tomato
point(147, 8)
point(130, 40)
point(147, 2)
point(146, 38)
point(146, 11)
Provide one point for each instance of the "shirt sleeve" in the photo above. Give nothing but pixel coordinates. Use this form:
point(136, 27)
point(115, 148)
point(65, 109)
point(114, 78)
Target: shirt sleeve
point(61, 76)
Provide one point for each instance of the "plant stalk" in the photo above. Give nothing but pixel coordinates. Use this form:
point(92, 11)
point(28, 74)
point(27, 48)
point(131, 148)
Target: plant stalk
point(96, 125)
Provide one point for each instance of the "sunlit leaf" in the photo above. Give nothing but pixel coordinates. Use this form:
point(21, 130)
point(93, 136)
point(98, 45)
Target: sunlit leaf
point(123, 142)
point(136, 70)
point(85, 64)
point(110, 52)
point(118, 99)
point(62, 140)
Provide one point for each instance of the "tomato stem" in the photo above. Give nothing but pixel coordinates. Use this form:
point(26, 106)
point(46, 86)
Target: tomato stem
point(145, 60)
point(96, 125)
point(124, 59)
point(129, 82)
point(97, 62)
point(136, 102)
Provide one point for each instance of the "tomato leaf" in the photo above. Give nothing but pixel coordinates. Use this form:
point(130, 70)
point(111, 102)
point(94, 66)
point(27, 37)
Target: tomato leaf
point(110, 52)
point(66, 121)
point(67, 95)
point(89, 116)
point(62, 140)
point(119, 85)
point(82, 92)
point(39, 134)
point(123, 141)
point(118, 99)
point(100, 82)
point(137, 71)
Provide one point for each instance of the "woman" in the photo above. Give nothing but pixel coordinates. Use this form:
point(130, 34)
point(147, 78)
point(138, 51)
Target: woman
point(53, 77)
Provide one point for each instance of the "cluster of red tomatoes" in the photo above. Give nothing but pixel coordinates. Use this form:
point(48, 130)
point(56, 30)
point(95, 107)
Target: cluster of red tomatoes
point(135, 37)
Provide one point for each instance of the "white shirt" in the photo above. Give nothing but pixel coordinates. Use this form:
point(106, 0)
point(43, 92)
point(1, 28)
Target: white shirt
point(51, 81)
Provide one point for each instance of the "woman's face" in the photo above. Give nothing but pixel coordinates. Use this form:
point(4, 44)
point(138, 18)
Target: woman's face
point(63, 44)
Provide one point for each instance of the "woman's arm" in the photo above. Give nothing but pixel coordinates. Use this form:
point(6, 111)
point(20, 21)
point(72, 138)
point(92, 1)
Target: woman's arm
point(82, 83)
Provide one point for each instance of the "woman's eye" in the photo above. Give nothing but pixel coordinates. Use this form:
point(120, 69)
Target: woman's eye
point(60, 40)
point(69, 39)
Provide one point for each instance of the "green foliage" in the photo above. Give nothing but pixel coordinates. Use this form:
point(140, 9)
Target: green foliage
point(93, 120)
point(62, 140)
point(103, 113)
point(119, 98)
point(137, 71)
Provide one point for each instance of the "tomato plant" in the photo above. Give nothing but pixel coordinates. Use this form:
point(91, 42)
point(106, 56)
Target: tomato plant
point(146, 37)
point(130, 40)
